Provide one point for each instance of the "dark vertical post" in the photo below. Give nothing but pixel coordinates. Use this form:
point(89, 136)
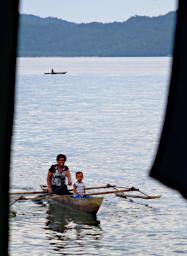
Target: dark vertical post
point(170, 166)
point(8, 43)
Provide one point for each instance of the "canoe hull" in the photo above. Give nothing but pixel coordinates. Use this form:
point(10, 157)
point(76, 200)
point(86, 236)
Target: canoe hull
point(88, 205)
point(56, 73)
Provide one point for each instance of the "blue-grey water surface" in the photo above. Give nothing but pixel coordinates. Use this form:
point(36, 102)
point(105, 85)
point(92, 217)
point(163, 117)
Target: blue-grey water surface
point(105, 114)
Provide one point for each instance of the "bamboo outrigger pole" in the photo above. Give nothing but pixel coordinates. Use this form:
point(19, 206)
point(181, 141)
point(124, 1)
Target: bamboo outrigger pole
point(97, 194)
point(126, 190)
point(44, 192)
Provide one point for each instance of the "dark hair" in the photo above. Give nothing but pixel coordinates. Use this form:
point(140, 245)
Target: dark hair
point(60, 156)
point(78, 173)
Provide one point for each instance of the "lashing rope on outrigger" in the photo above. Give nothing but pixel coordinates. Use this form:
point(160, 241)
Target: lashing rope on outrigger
point(123, 195)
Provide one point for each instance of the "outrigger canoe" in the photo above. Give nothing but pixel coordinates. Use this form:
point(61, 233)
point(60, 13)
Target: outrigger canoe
point(90, 204)
point(55, 73)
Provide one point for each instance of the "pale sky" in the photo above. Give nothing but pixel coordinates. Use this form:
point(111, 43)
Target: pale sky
point(96, 10)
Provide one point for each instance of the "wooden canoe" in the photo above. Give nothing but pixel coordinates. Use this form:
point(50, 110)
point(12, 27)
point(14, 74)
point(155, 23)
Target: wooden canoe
point(87, 205)
point(55, 73)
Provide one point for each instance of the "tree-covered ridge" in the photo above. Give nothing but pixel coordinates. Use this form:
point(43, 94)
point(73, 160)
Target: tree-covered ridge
point(138, 36)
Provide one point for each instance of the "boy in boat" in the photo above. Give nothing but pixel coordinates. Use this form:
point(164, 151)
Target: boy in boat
point(57, 175)
point(78, 186)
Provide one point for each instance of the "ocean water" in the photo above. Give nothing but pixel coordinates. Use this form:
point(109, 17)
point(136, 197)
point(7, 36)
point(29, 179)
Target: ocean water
point(106, 115)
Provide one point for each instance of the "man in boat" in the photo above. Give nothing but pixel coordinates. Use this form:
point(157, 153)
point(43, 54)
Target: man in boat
point(57, 175)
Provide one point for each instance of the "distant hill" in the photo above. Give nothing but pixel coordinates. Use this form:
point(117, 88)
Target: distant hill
point(138, 36)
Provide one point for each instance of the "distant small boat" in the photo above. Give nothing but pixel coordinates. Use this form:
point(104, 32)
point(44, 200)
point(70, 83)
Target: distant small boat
point(55, 73)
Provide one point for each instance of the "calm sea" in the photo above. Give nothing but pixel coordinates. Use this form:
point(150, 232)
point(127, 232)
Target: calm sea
point(105, 114)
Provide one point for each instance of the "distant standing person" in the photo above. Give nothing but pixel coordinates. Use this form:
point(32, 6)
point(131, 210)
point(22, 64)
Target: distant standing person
point(79, 186)
point(52, 71)
point(57, 175)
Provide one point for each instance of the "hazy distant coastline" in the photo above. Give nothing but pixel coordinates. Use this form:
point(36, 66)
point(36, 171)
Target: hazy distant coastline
point(138, 36)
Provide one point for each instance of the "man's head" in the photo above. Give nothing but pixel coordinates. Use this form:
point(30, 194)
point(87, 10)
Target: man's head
point(60, 156)
point(61, 159)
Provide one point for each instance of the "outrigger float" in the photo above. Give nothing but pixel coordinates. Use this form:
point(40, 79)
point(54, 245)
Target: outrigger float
point(89, 204)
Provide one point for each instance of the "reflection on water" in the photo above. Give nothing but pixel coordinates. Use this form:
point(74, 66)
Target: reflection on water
point(70, 226)
point(59, 217)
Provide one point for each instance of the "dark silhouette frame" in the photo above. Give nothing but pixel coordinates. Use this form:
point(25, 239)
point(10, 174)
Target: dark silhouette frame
point(170, 165)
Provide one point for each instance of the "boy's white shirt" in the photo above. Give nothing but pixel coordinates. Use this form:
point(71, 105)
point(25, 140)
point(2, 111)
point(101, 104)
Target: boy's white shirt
point(79, 187)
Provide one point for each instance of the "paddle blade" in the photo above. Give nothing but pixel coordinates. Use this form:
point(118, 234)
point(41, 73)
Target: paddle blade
point(153, 197)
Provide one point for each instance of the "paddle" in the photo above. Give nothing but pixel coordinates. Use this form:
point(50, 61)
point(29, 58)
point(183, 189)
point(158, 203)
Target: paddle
point(24, 198)
point(18, 199)
point(144, 197)
point(28, 193)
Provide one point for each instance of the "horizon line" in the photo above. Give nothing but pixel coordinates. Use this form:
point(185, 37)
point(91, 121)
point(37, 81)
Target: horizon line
point(133, 16)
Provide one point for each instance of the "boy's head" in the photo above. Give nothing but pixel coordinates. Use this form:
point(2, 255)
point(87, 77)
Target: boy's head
point(79, 176)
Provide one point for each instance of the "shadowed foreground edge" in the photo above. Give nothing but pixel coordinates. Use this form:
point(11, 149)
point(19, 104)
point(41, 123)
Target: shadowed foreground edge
point(8, 44)
point(170, 166)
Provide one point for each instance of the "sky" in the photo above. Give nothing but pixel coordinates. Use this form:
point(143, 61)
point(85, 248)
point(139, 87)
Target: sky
point(96, 10)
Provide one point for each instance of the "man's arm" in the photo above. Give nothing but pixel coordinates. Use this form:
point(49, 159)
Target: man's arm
point(49, 178)
point(68, 175)
point(75, 189)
